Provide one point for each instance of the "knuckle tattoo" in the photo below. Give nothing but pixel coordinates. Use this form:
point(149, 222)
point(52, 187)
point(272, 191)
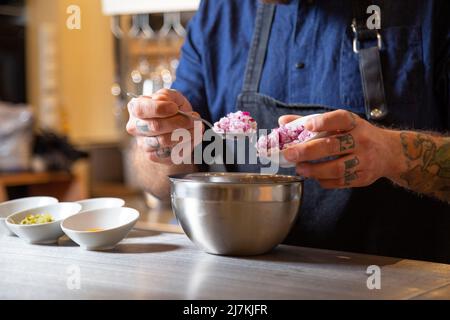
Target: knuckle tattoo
point(349, 175)
point(351, 163)
point(142, 126)
point(163, 153)
point(348, 179)
point(346, 142)
point(352, 120)
point(153, 142)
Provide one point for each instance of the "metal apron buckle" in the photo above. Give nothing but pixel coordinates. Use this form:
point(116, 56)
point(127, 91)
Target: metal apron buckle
point(371, 76)
point(356, 44)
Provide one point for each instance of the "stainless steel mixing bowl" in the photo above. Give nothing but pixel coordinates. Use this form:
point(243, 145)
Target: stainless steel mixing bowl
point(236, 213)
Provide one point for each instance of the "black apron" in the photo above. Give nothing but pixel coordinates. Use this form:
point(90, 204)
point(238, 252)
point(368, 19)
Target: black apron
point(378, 219)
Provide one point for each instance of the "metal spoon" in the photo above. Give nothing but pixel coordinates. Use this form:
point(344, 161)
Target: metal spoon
point(132, 95)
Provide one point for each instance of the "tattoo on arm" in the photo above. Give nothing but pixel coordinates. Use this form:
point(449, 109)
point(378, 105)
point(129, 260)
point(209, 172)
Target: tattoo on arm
point(428, 162)
point(346, 142)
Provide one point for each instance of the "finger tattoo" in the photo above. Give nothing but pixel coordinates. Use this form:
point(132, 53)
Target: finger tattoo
point(351, 163)
point(153, 142)
point(163, 153)
point(346, 142)
point(142, 126)
point(349, 178)
point(353, 123)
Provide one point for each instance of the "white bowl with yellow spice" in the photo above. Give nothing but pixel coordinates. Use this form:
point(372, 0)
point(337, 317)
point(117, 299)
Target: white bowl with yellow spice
point(100, 229)
point(8, 208)
point(42, 225)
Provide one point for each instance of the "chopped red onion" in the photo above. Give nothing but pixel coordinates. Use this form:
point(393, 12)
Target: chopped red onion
point(281, 138)
point(235, 123)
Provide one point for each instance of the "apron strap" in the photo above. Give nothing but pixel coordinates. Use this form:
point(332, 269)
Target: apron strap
point(369, 62)
point(258, 49)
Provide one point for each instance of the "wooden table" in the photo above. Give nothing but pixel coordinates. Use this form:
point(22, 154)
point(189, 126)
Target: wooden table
point(167, 266)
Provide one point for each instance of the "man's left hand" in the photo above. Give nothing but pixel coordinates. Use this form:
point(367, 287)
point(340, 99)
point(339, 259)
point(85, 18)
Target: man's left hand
point(364, 151)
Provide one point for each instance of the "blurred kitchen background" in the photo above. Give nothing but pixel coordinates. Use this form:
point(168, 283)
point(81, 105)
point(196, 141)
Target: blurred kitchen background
point(63, 95)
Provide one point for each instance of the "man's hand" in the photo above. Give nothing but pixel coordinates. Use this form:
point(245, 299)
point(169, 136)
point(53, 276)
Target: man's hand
point(363, 151)
point(153, 119)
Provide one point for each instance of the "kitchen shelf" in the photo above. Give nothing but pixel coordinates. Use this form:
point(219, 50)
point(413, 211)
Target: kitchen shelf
point(156, 48)
point(121, 7)
point(29, 178)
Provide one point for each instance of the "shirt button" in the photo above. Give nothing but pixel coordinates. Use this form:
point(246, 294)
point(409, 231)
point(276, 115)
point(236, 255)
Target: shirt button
point(299, 65)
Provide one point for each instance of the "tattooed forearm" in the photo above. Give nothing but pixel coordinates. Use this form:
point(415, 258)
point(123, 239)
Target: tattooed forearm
point(427, 160)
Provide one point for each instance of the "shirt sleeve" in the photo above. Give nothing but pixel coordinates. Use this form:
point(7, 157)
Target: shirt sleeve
point(190, 79)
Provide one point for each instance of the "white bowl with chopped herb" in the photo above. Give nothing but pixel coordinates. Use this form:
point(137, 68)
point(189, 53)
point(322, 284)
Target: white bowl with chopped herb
point(13, 206)
point(42, 225)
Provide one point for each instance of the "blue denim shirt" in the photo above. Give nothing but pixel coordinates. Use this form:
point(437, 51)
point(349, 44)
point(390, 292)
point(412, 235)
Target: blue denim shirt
point(310, 58)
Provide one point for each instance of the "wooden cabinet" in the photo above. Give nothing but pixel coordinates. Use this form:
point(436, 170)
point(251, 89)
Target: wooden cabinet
point(62, 185)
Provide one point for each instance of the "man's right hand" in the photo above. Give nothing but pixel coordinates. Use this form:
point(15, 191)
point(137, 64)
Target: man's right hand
point(154, 118)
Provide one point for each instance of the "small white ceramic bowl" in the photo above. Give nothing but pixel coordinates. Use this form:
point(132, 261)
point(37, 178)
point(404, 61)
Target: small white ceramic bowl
point(277, 156)
point(44, 233)
point(10, 207)
point(113, 224)
point(100, 203)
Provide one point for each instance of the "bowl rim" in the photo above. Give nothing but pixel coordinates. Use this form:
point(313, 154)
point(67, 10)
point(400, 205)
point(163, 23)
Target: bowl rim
point(18, 200)
point(100, 199)
point(183, 178)
point(37, 208)
point(103, 230)
point(26, 198)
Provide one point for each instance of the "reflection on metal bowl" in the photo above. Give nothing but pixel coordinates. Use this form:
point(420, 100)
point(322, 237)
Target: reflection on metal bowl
point(236, 213)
